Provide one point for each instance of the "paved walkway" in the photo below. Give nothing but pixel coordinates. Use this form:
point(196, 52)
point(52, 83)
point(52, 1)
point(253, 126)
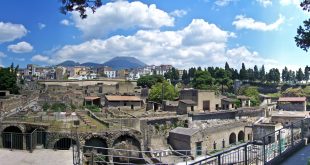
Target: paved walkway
point(301, 157)
point(38, 157)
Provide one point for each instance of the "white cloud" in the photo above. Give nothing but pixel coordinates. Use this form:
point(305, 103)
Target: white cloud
point(265, 3)
point(290, 2)
point(178, 13)
point(21, 47)
point(41, 26)
point(198, 44)
point(241, 54)
point(40, 58)
point(243, 22)
point(65, 22)
point(121, 15)
point(222, 2)
point(10, 32)
point(2, 55)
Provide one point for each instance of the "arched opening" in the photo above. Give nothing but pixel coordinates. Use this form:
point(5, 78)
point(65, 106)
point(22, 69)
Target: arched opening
point(232, 138)
point(35, 137)
point(97, 145)
point(128, 150)
point(64, 144)
point(41, 137)
point(12, 138)
point(241, 136)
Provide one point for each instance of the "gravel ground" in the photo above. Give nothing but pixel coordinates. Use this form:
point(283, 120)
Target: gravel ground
point(38, 157)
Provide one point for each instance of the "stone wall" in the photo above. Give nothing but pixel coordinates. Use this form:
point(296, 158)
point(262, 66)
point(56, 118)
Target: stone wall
point(74, 92)
point(292, 106)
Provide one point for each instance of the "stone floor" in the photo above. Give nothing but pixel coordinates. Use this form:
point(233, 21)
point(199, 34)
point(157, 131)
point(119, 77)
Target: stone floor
point(38, 157)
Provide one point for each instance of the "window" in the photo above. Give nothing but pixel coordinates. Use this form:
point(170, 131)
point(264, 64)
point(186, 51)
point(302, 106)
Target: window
point(125, 104)
point(216, 106)
point(192, 108)
point(214, 145)
point(198, 148)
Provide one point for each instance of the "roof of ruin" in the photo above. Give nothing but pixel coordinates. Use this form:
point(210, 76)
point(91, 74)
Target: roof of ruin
point(243, 97)
point(185, 131)
point(231, 100)
point(190, 102)
point(122, 98)
point(91, 98)
point(292, 99)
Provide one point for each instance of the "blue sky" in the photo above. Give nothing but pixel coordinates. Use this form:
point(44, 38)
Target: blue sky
point(183, 33)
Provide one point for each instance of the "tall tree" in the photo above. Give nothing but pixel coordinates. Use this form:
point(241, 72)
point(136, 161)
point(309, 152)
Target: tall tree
point(172, 75)
point(256, 73)
point(203, 80)
point(235, 74)
point(227, 68)
point(222, 78)
point(149, 80)
point(8, 79)
point(302, 38)
point(307, 74)
point(262, 74)
point(79, 6)
point(299, 75)
point(185, 77)
point(285, 74)
point(243, 74)
point(162, 91)
point(251, 76)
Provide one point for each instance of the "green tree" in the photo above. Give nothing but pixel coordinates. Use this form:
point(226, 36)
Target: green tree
point(8, 79)
point(306, 78)
point(79, 6)
point(253, 93)
point(299, 75)
point(149, 80)
point(45, 106)
point(243, 74)
point(262, 74)
point(302, 38)
point(222, 78)
point(235, 74)
point(251, 76)
point(185, 77)
point(164, 90)
point(273, 75)
point(203, 80)
point(285, 74)
point(256, 73)
point(173, 75)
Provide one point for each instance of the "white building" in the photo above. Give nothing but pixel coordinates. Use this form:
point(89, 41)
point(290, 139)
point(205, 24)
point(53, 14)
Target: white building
point(110, 74)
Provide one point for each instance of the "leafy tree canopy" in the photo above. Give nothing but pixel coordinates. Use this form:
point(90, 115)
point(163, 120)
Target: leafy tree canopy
point(79, 6)
point(203, 80)
point(149, 80)
point(8, 79)
point(163, 90)
point(302, 38)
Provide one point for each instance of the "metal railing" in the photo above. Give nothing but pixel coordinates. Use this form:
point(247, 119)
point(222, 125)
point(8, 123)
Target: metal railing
point(270, 147)
point(28, 141)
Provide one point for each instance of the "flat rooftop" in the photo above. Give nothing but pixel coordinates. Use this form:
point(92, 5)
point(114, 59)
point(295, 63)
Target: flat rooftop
point(290, 113)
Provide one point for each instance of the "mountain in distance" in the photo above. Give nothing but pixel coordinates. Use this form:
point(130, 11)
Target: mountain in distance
point(116, 63)
point(91, 64)
point(68, 63)
point(124, 62)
